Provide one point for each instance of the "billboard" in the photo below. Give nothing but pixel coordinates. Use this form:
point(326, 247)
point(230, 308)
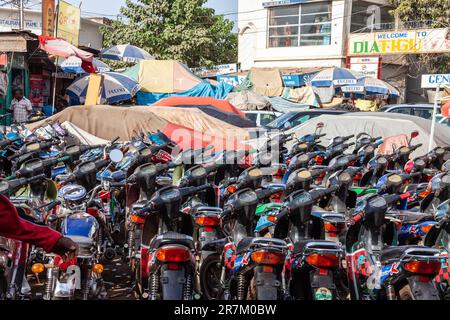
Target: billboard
point(68, 22)
point(400, 42)
point(48, 18)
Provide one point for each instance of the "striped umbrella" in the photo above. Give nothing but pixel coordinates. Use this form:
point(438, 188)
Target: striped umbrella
point(368, 86)
point(126, 52)
point(116, 87)
point(335, 76)
point(73, 65)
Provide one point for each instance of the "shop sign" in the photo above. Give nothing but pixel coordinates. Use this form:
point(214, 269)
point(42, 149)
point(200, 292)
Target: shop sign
point(48, 17)
point(369, 66)
point(233, 80)
point(216, 70)
point(430, 81)
point(64, 75)
point(297, 80)
point(400, 42)
point(69, 22)
point(13, 44)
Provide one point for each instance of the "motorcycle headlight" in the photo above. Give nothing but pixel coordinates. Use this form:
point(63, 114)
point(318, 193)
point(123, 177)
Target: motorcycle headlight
point(382, 161)
point(369, 149)
point(404, 150)
point(395, 179)
point(345, 177)
point(445, 180)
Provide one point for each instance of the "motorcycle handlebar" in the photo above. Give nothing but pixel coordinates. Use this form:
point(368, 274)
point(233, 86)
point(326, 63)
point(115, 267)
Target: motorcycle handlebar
point(320, 193)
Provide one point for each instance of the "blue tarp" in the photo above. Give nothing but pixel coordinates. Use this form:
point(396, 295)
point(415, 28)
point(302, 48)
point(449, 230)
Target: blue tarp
point(203, 89)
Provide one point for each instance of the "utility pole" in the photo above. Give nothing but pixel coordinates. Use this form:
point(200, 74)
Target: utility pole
point(21, 16)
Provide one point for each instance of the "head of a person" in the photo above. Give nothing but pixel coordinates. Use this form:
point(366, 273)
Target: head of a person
point(18, 94)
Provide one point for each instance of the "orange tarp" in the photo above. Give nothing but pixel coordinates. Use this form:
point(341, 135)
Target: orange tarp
point(223, 105)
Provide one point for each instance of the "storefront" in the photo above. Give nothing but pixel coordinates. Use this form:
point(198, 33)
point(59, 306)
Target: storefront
point(23, 66)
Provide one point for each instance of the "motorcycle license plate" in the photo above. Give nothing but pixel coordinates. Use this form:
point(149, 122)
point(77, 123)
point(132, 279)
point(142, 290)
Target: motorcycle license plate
point(64, 289)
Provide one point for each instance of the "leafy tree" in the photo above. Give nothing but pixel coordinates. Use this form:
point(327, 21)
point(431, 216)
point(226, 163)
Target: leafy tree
point(175, 29)
point(437, 12)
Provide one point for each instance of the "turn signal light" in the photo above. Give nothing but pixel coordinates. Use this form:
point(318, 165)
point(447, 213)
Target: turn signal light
point(137, 219)
point(427, 228)
point(173, 254)
point(231, 189)
point(330, 227)
point(37, 268)
point(208, 221)
point(266, 257)
point(323, 260)
point(98, 268)
point(423, 267)
point(272, 219)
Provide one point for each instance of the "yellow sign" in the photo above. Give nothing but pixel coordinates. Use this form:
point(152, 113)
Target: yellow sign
point(399, 42)
point(68, 22)
point(93, 92)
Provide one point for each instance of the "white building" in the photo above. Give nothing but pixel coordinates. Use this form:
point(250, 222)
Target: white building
point(302, 33)
point(90, 35)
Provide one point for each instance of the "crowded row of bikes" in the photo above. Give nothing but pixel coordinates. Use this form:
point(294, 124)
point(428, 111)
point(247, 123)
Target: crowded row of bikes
point(305, 222)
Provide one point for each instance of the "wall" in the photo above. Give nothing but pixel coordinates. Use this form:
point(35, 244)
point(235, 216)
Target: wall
point(90, 35)
point(253, 51)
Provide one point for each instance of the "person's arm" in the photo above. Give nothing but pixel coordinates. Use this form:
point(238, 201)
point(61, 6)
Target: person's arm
point(16, 227)
point(29, 106)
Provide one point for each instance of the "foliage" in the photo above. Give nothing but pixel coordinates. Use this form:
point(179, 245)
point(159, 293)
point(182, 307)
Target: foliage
point(183, 30)
point(437, 13)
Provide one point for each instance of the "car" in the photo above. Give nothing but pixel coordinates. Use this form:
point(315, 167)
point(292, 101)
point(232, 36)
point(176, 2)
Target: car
point(262, 117)
point(423, 110)
point(442, 120)
point(292, 119)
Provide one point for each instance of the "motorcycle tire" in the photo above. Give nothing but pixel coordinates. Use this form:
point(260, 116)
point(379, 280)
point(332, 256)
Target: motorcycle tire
point(210, 271)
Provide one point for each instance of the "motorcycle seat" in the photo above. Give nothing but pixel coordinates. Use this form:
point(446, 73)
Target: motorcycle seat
point(84, 245)
point(395, 253)
point(248, 242)
point(414, 217)
point(302, 246)
point(172, 238)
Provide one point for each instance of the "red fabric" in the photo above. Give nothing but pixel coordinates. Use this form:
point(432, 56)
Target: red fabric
point(223, 105)
point(446, 110)
point(14, 227)
point(62, 48)
point(197, 140)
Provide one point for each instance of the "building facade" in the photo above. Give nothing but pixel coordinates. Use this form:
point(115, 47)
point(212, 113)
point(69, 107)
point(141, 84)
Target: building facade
point(90, 35)
point(302, 33)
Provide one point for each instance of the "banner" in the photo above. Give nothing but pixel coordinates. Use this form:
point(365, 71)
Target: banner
point(48, 18)
point(68, 22)
point(399, 42)
point(369, 66)
point(37, 90)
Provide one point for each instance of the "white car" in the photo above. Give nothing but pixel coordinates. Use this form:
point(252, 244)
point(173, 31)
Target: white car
point(262, 117)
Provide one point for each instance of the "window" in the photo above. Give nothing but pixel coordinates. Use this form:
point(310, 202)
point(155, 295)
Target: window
point(265, 119)
point(402, 110)
point(426, 113)
point(252, 116)
point(300, 25)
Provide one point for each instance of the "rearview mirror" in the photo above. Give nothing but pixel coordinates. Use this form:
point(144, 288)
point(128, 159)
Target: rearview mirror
point(320, 125)
point(414, 134)
point(116, 155)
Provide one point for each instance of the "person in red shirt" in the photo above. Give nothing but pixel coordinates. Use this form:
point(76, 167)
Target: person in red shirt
point(23, 228)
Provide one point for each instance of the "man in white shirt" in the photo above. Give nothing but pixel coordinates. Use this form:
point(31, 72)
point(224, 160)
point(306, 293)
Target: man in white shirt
point(20, 107)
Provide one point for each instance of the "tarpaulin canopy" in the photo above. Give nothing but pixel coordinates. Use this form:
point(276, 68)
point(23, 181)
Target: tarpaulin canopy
point(228, 117)
point(163, 76)
point(203, 89)
point(267, 82)
point(377, 124)
point(221, 104)
point(248, 100)
point(62, 48)
point(200, 130)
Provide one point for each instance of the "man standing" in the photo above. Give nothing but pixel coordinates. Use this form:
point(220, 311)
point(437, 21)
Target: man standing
point(20, 107)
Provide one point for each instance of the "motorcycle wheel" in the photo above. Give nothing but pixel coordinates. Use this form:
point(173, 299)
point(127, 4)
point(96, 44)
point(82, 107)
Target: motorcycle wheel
point(210, 271)
point(3, 286)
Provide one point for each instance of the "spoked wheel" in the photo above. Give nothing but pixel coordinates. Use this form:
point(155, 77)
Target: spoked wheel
point(210, 272)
